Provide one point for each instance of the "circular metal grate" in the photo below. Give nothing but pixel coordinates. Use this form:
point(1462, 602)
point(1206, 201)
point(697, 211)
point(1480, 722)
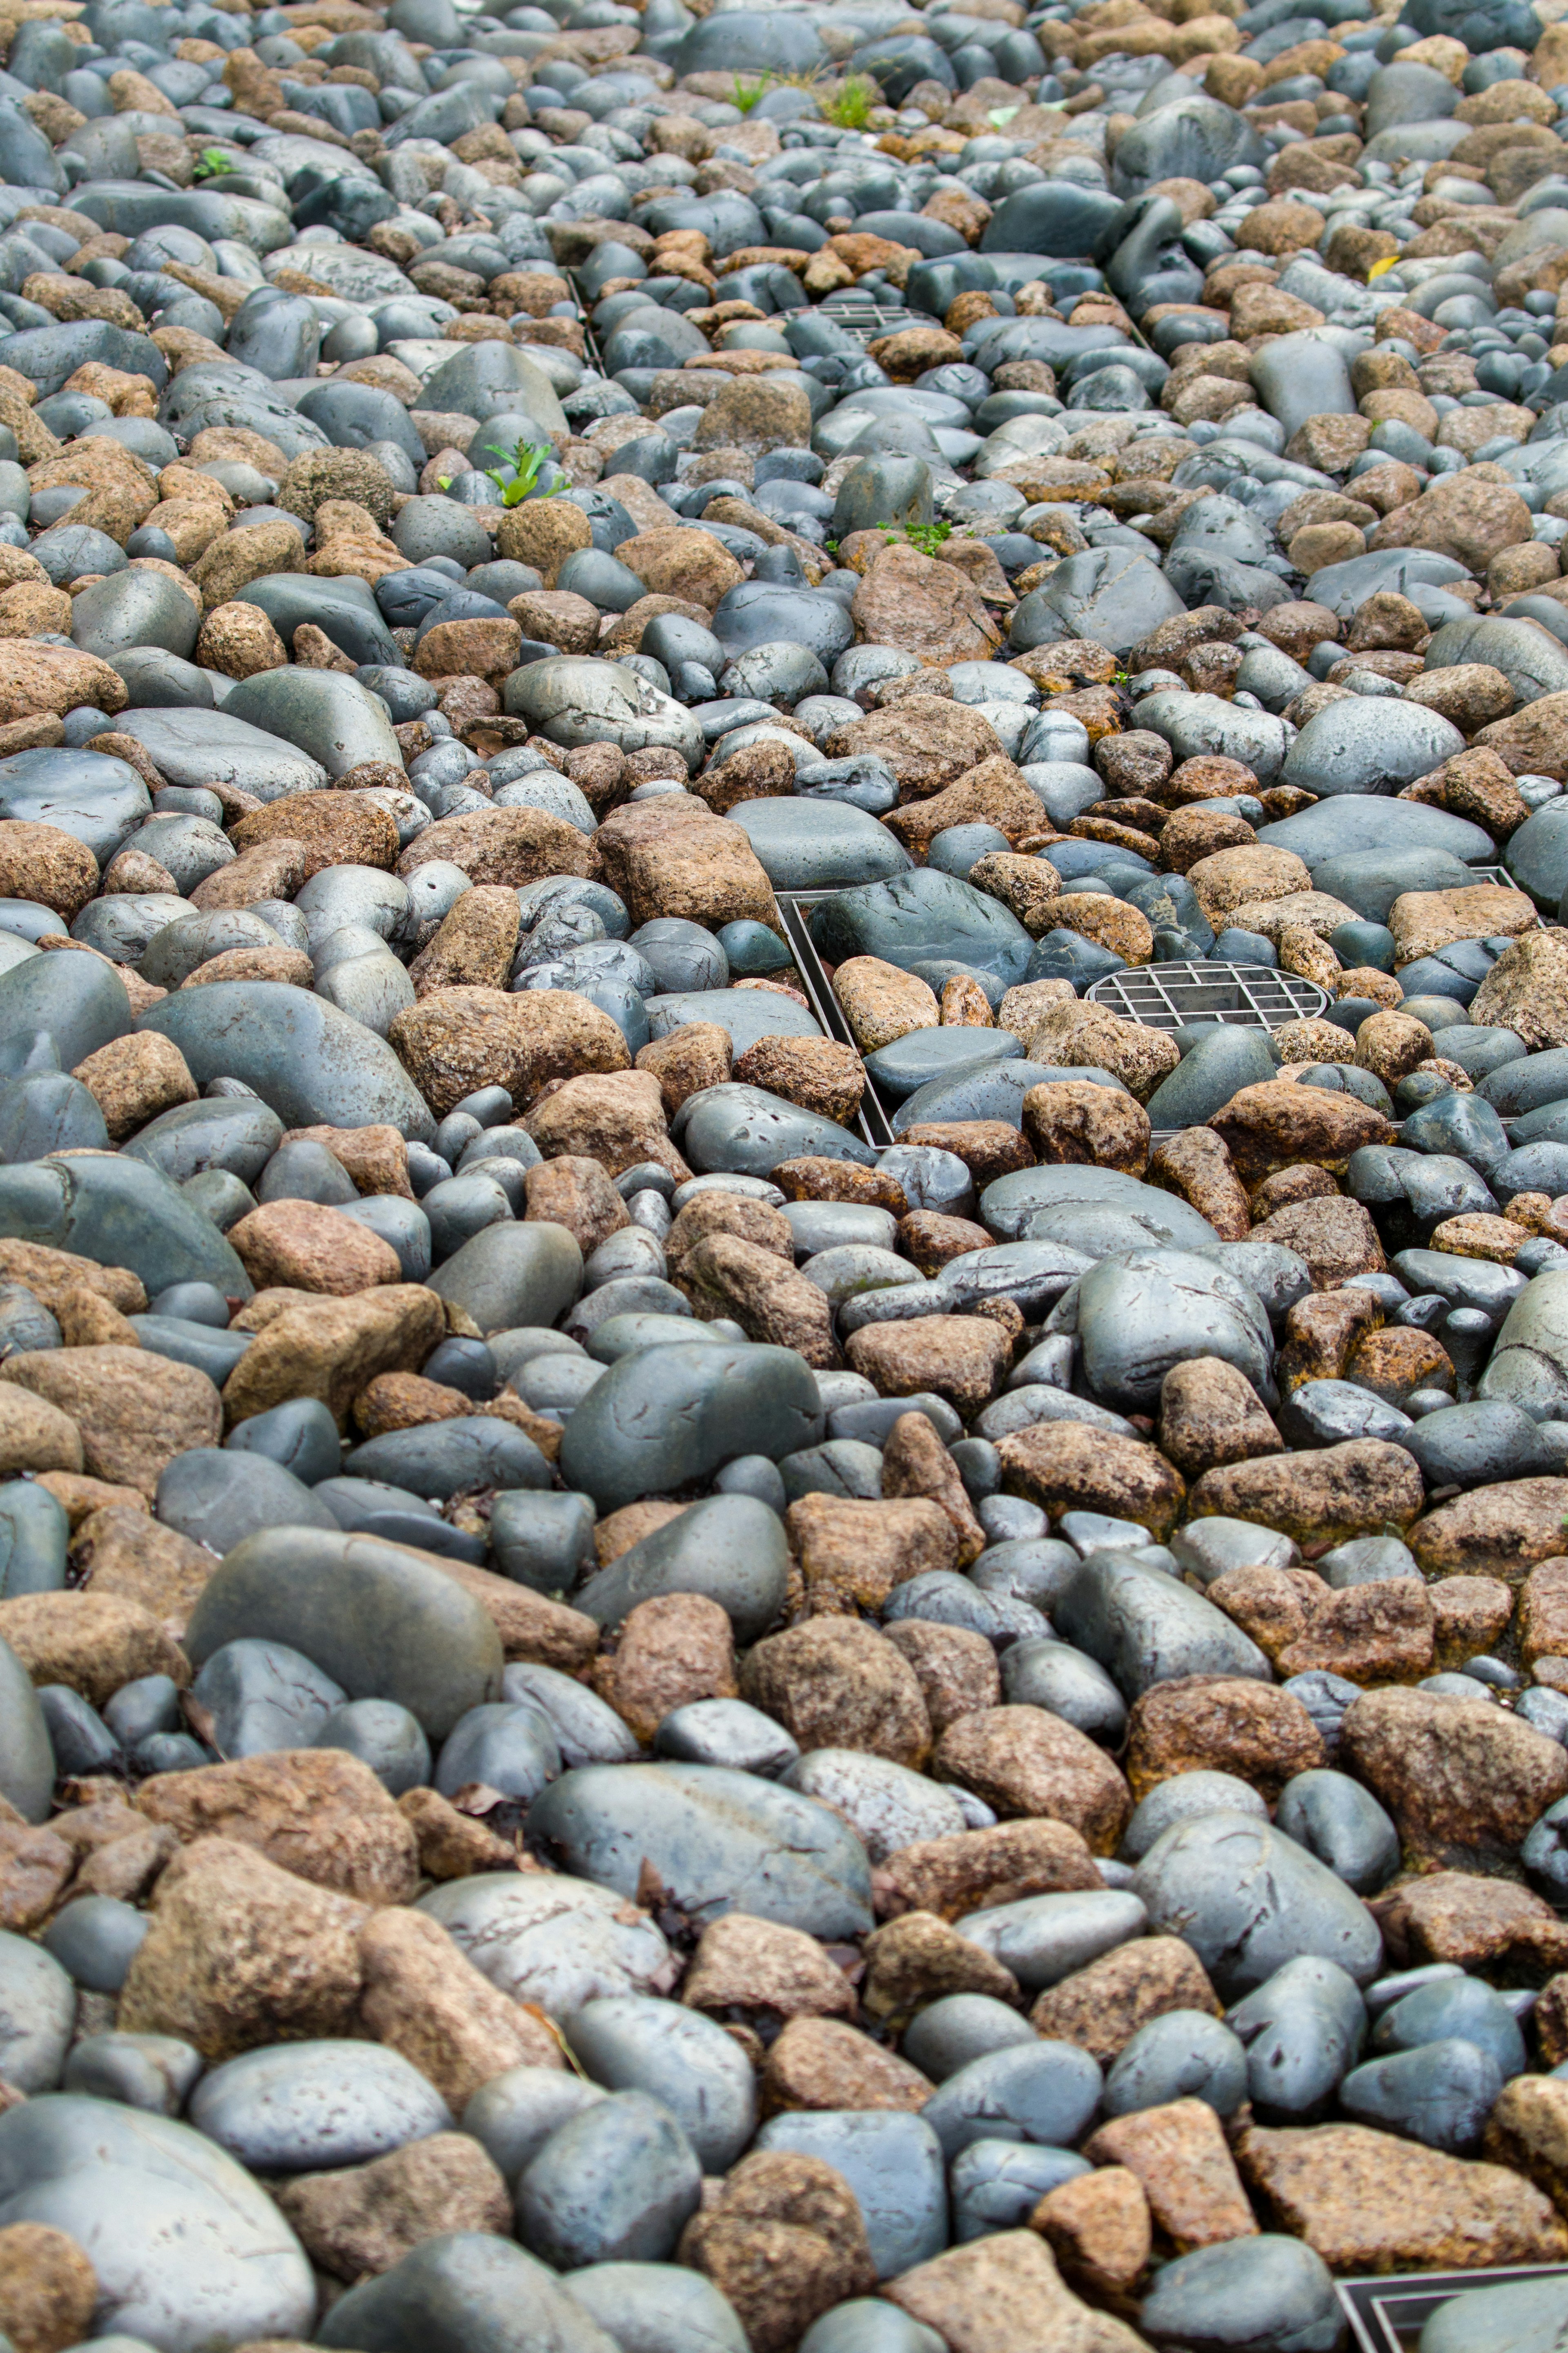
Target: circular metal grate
point(1244, 996)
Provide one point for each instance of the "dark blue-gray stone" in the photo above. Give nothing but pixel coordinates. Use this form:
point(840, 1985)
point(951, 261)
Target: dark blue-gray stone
point(728, 1547)
point(379, 1622)
point(301, 2107)
point(721, 1841)
point(148, 2183)
point(1349, 821)
point(1247, 1900)
point(263, 1695)
point(1043, 2092)
point(744, 1130)
point(118, 1212)
point(505, 1746)
point(1441, 2094)
point(442, 1458)
point(634, 2042)
point(34, 1536)
point(657, 2307)
point(217, 1496)
point(313, 1065)
point(77, 1000)
point(816, 846)
point(1145, 1628)
point(1343, 1825)
point(193, 747)
point(27, 1781)
point(1267, 2294)
point(1185, 2054)
point(1369, 745)
point(463, 2293)
point(919, 916)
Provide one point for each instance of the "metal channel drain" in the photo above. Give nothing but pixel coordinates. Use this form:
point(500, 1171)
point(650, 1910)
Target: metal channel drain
point(864, 318)
point(873, 1122)
point(1387, 2314)
point(1243, 995)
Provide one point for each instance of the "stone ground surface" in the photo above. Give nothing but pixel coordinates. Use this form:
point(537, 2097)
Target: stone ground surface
point(630, 1717)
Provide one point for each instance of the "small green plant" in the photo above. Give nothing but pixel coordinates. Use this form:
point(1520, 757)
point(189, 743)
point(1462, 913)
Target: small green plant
point(926, 536)
point(210, 162)
point(747, 93)
point(526, 462)
point(850, 108)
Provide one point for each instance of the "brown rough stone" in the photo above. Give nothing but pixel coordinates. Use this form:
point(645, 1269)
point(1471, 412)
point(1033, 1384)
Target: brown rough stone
point(1464, 1780)
point(42, 863)
point(35, 1435)
point(1004, 2294)
point(1361, 1487)
point(959, 1357)
point(575, 1193)
point(1278, 1123)
point(1527, 990)
point(48, 2289)
point(241, 1953)
point(1097, 2227)
point(1196, 1166)
point(1075, 1120)
point(1334, 1235)
point(836, 1681)
point(881, 1002)
point(615, 1118)
point(305, 1246)
point(697, 1055)
point(359, 2222)
point(425, 1999)
point(458, 1039)
point(1064, 1032)
point(1486, 1924)
point(916, 1462)
point(136, 1411)
point(332, 1349)
point(1459, 515)
point(820, 2063)
point(1026, 1763)
point(672, 1649)
point(1368, 2202)
point(818, 1073)
point(852, 1553)
point(927, 741)
point(451, 1845)
point(956, 1670)
point(475, 944)
point(1066, 1466)
point(909, 601)
point(918, 1958)
point(1210, 1414)
point(725, 1277)
point(1500, 1530)
point(1178, 2153)
point(318, 1812)
point(1102, 2007)
point(741, 1964)
point(969, 1870)
point(699, 866)
point(119, 1549)
point(783, 2240)
point(1220, 1723)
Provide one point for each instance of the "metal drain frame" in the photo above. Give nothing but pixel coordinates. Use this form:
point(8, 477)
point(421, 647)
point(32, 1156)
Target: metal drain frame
point(872, 1122)
point(1387, 2314)
point(864, 318)
point(1242, 995)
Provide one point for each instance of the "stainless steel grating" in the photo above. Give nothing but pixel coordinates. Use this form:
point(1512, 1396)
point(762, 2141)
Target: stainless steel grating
point(1246, 996)
point(864, 318)
point(1387, 2316)
point(872, 1123)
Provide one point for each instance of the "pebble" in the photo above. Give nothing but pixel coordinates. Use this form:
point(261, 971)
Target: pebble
point(693, 939)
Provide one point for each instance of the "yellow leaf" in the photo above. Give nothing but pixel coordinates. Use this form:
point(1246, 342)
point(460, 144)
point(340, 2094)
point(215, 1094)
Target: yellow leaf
point(1378, 268)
